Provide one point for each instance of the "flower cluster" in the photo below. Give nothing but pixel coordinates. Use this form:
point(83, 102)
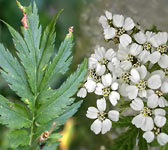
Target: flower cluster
point(136, 71)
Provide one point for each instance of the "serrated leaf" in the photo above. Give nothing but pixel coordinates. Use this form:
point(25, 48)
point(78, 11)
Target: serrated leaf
point(61, 97)
point(18, 138)
point(127, 140)
point(47, 47)
point(60, 62)
point(14, 74)
point(32, 36)
point(142, 144)
point(13, 115)
point(69, 112)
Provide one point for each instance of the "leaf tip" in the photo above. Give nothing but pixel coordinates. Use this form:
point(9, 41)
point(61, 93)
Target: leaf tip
point(71, 29)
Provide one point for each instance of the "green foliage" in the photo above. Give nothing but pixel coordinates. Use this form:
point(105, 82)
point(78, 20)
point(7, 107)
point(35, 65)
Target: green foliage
point(142, 144)
point(18, 138)
point(127, 140)
point(29, 75)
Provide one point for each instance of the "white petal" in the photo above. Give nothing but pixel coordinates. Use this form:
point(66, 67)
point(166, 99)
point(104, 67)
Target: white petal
point(163, 102)
point(142, 93)
point(149, 136)
point(103, 21)
point(153, 101)
point(164, 87)
point(163, 62)
point(154, 41)
point(135, 76)
point(122, 90)
point(135, 49)
point(132, 91)
point(160, 121)
point(155, 57)
point(148, 124)
point(114, 97)
point(128, 24)
point(162, 138)
point(140, 37)
point(142, 71)
point(118, 20)
point(101, 104)
point(138, 120)
point(100, 52)
point(137, 104)
point(160, 73)
point(109, 33)
point(82, 93)
point(150, 92)
point(154, 82)
point(113, 115)
point(99, 88)
point(110, 54)
point(125, 40)
point(114, 86)
point(107, 80)
point(90, 86)
point(106, 126)
point(108, 15)
point(96, 126)
point(126, 65)
point(144, 56)
point(92, 113)
point(159, 112)
point(162, 38)
point(100, 69)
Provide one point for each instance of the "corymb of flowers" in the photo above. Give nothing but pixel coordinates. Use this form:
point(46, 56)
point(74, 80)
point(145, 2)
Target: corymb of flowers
point(135, 74)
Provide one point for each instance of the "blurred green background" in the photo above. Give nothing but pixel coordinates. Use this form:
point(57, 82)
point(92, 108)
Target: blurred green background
point(77, 130)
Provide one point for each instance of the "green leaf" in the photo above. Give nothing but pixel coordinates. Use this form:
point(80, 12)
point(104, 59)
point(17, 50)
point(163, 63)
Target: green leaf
point(47, 47)
point(18, 138)
point(13, 115)
point(142, 144)
point(127, 140)
point(124, 121)
point(61, 98)
point(165, 147)
point(60, 62)
point(32, 36)
point(69, 112)
point(14, 74)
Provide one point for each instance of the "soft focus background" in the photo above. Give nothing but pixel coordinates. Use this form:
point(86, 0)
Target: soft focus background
point(83, 15)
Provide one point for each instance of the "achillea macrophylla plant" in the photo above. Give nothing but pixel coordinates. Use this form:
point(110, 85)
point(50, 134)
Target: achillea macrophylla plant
point(132, 76)
point(34, 121)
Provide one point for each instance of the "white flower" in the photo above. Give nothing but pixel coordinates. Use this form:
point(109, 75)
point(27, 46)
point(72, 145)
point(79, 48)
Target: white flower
point(155, 97)
point(117, 26)
point(160, 55)
point(106, 20)
point(128, 56)
point(122, 27)
point(144, 120)
point(90, 85)
point(144, 39)
point(162, 138)
point(140, 82)
point(100, 59)
point(82, 92)
point(102, 123)
point(108, 88)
